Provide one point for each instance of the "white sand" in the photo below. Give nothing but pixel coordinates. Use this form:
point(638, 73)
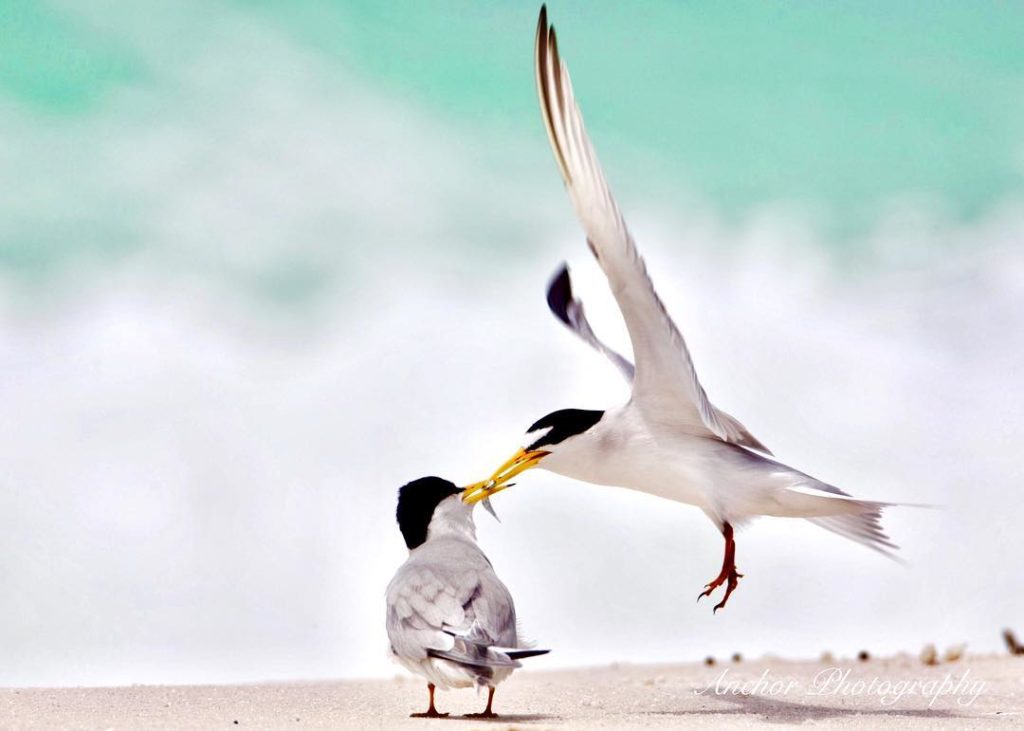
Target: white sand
point(620, 697)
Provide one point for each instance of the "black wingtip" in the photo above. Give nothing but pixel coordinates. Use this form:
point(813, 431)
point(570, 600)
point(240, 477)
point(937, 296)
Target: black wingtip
point(520, 654)
point(560, 294)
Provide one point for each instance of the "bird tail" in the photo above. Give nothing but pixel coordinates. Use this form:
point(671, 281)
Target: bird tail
point(484, 657)
point(865, 528)
point(478, 656)
point(485, 661)
point(834, 510)
point(766, 487)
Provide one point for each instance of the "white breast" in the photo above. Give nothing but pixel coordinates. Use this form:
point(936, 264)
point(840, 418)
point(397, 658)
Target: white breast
point(624, 451)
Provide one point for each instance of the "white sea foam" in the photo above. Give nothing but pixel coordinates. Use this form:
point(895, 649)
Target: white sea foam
point(189, 501)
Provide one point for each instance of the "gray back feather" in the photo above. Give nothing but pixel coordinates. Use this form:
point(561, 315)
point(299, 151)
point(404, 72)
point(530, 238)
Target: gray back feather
point(446, 601)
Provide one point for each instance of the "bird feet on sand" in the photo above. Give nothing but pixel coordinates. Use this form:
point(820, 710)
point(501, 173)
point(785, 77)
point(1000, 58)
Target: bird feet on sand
point(487, 712)
point(432, 713)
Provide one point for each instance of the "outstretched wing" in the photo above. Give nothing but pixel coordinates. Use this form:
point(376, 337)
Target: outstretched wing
point(666, 387)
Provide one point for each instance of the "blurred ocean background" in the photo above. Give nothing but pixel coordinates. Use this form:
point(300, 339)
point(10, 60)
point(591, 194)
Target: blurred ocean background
point(263, 262)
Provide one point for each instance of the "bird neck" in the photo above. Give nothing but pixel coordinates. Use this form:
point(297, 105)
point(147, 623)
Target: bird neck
point(452, 518)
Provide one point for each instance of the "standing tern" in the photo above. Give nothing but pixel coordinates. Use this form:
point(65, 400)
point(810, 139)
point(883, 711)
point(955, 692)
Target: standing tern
point(449, 617)
point(669, 439)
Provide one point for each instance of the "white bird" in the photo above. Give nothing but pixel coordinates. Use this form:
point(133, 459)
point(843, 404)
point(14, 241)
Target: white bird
point(668, 439)
point(449, 617)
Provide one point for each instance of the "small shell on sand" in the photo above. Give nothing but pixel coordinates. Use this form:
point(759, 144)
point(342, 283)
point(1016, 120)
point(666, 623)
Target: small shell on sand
point(955, 652)
point(929, 655)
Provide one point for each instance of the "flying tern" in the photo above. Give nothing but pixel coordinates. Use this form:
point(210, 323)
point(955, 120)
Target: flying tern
point(668, 440)
point(449, 617)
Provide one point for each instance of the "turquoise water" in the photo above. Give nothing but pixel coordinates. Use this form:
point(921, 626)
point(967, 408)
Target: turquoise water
point(844, 110)
point(843, 104)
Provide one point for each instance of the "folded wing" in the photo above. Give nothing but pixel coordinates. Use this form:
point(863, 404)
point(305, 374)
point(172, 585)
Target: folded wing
point(460, 613)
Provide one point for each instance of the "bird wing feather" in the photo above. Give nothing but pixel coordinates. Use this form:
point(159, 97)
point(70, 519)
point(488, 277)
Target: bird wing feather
point(569, 309)
point(666, 387)
point(447, 599)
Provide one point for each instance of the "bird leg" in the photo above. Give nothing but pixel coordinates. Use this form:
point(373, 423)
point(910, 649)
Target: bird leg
point(728, 575)
point(487, 712)
point(431, 712)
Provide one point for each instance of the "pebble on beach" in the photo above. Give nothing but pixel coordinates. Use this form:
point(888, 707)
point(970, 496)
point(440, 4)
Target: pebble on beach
point(929, 655)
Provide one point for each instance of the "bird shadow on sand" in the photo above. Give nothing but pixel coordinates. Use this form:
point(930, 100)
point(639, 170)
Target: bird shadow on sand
point(507, 718)
point(774, 710)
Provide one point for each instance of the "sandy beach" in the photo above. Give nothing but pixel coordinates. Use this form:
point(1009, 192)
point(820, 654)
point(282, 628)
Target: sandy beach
point(899, 691)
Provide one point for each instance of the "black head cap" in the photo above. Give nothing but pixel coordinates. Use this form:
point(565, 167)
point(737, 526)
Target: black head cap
point(416, 503)
point(563, 424)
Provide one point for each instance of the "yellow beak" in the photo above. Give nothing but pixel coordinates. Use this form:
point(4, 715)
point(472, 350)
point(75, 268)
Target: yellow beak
point(519, 462)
